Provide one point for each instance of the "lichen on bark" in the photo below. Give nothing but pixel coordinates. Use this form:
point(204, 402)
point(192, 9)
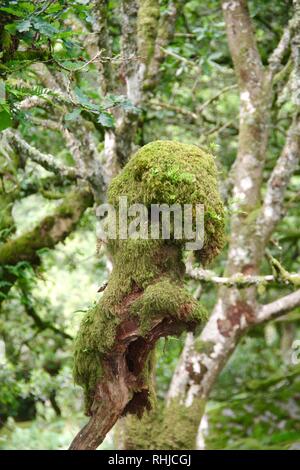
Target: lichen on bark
point(147, 24)
point(145, 298)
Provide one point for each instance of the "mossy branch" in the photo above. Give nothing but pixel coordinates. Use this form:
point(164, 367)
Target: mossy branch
point(145, 298)
point(47, 161)
point(51, 230)
point(240, 280)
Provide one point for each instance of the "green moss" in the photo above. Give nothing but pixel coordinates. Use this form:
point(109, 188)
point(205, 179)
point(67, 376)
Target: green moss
point(171, 428)
point(147, 279)
point(171, 299)
point(201, 346)
point(142, 433)
point(48, 232)
point(148, 16)
point(180, 425)
point(7, 223)
point(170, 172)
point(96, 335)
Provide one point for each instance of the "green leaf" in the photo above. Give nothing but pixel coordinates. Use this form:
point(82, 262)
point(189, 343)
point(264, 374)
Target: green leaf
point(28, 6)
point(106, 119)
point(84, 100)
point(11, 28)
point(54, 8)
point(44, 27)
point(73, 115)
point(129, 107)
point(13, 11)
point(24, 26)
point(5, 119)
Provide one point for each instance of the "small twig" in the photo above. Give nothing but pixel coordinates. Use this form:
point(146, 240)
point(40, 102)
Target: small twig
point(241, 280)
point(182, 59)
point(215, 97)
point(93, 59)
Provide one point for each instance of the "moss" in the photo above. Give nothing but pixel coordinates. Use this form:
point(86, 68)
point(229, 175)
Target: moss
point(48, 232)
point(171, 299)
point(142, 433)
point(171, 428)
point(170, 172)
point(96, 335)
point(7, 223)
point(180, 425)
point(148, 16)
point(147, 279)
point(205, 347)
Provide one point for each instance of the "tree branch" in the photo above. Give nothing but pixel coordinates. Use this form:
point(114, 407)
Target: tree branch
point(287, 163)
point(278, 307)
point(275, 60)
point(193, 116)
point(177, 109)
point(47, 161)
point(240, 280)
point(215, 97)
point(51, 230)
point(100, 28)
point(165, 33)
point(242, 44)
point(39, 323)
point(253, 132)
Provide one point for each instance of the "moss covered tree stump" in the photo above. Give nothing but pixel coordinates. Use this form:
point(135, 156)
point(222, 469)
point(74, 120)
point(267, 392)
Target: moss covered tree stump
point(145, 298)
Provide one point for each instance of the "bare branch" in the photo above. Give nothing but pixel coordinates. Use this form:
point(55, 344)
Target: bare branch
point(215, 97)
point(47, 161)
point(194, 116)
point(278, 307)
point(177, 109)
point(181, 59)
point(94, 59)
point(272, 210)
point(275, 60)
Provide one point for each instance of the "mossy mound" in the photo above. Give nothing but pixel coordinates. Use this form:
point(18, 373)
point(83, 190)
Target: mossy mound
point(170, 298)
point(166, 172)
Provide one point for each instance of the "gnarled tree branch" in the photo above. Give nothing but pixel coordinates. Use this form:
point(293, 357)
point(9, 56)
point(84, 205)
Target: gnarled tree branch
point(47, 161)
point(51, 230)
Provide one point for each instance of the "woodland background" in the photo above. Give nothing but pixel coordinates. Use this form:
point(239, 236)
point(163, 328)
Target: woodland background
point(82, 85)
